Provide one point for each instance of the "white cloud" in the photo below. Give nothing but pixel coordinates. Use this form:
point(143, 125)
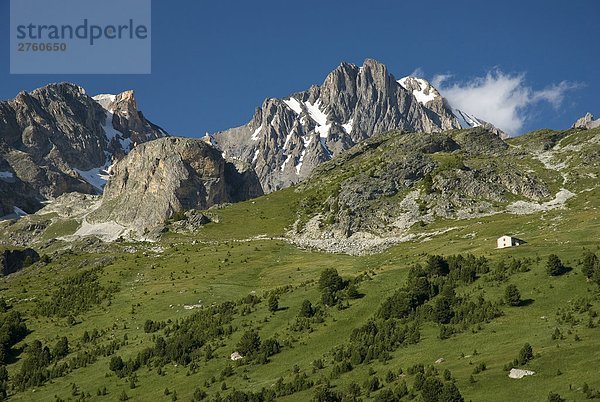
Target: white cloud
point(439, 79)
point(555, 93)
point(418, 72)
point(499, 98)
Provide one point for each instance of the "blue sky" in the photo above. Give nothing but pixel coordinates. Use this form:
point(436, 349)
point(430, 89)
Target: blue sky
point(214, 62)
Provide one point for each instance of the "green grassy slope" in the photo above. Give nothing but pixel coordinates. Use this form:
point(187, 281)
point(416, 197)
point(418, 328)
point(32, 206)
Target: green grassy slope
point(243, 253)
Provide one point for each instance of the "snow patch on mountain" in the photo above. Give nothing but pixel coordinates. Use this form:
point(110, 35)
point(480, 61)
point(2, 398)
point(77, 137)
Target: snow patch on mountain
point(19, 212)
point(294, 105)
point(317, 115)
point(256, 133)
point(315, 112)
point(97, 177)
point(301, 159)
point(348, 126)
point(421, 89)
point(289, 157)
point(320, 117)
point(105, 100)
point(465, 119)
point(111, 133)
point(6, 175)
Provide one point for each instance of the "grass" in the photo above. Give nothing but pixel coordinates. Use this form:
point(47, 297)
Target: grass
point(158, 285)
point(60, 228)
point(243, 253)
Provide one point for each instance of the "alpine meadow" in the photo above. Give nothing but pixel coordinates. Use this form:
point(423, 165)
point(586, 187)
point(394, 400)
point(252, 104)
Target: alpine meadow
point(357, 235)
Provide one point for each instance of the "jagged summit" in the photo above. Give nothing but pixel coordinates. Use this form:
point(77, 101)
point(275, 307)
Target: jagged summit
point(287, 138)
point(420, 88)
point(57, 139)
point(105, 100)
point(122, 111)
point(122, 101)
point(55, 88)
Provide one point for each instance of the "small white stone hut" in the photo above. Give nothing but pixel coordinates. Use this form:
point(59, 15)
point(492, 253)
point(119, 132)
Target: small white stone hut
point(509, 241)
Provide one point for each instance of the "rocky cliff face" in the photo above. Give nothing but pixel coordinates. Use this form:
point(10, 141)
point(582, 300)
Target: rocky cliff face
point(57, 139)
point(287, 138)
point(387, 187)
point(168, 175)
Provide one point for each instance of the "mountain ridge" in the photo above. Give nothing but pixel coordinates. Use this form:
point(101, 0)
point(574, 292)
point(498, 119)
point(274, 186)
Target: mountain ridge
point(287, 138)
point(57, 139)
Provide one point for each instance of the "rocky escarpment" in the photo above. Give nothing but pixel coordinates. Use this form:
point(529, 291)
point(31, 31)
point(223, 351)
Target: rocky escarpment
point(162, 177)
point(57, 139)
point(383, 187)
point(287, 138)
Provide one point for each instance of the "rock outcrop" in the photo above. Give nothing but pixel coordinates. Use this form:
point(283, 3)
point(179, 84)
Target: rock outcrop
point(586, 122)
point(287, 138)
point(378, 192)
point(168, 175)
point(12, 261)
point(57, 139)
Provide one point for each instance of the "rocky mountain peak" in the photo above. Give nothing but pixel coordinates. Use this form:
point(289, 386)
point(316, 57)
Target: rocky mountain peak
point(125, 102)
point(420, 88)
point(123, 114)
point(377, 73)
point(161, 177)
point(287, 138)
point(57, 139)
point(55, 90)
